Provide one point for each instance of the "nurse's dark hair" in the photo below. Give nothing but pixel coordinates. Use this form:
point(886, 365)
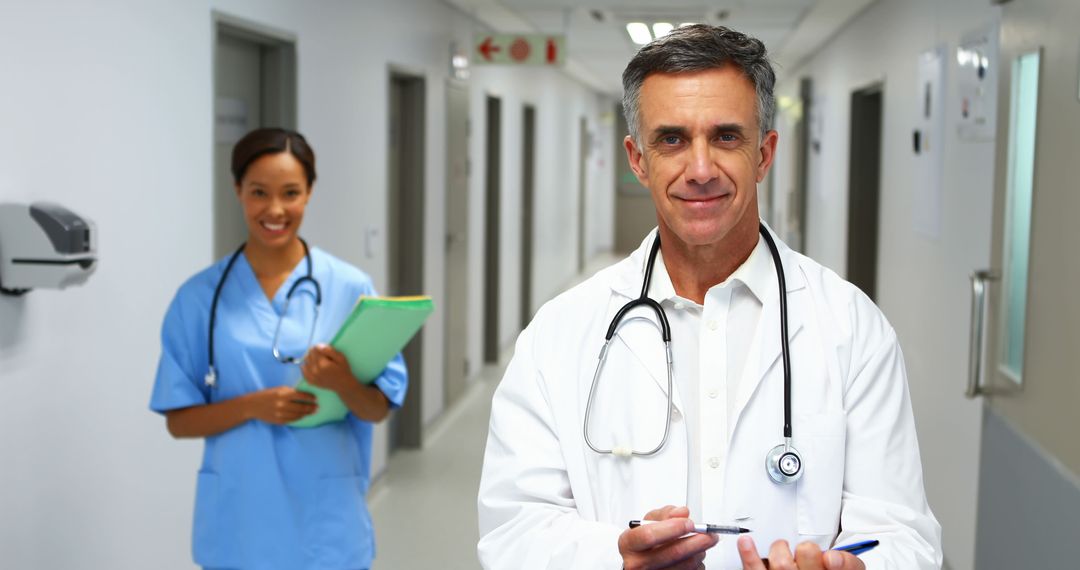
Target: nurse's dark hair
point(262, 142)
point(700, 47)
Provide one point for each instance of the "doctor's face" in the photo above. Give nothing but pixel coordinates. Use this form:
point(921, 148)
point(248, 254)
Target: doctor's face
point(273, 194)
point(701, 153)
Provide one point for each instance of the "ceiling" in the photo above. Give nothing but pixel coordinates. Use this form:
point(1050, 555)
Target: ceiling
point(599, 47)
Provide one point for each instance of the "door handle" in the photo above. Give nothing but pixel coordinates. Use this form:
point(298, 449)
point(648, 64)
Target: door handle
point(979, 282)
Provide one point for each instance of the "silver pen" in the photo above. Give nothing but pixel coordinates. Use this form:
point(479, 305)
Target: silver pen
point(703, 528)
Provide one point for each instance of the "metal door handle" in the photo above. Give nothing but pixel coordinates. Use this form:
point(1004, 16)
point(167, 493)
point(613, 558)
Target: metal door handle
point(979, 282)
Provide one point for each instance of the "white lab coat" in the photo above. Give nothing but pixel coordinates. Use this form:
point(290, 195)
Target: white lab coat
point(547, 501)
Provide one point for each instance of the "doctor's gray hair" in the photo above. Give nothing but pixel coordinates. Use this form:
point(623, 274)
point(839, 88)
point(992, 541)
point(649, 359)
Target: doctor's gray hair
point(700, 47)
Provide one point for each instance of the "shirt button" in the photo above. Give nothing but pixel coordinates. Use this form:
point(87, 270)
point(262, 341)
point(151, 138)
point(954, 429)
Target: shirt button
point(712, 325)
point(679, 305)
point(713, 394)
point(714, 462)
point(675, 415)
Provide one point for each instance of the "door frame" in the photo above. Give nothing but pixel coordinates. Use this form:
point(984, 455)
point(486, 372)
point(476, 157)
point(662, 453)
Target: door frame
point(405, 223)
point(528, 195)
point(455, 343)
point(492, 203)
point(864, 188)
point(277, 93)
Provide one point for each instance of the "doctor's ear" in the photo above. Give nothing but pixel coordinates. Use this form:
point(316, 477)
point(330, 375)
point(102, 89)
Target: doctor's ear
point(635, 157)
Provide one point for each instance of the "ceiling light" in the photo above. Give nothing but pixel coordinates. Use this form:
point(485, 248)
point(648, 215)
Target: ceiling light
point(661, 29)
point(639, 33)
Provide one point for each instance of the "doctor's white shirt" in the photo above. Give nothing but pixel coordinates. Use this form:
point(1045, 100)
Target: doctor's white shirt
point(709, 345)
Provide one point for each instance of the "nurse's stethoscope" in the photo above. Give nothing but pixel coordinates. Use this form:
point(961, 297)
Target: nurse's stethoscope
point(783, 463)
point(211, 375)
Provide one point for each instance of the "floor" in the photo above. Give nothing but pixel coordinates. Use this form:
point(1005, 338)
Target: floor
point(440, 481)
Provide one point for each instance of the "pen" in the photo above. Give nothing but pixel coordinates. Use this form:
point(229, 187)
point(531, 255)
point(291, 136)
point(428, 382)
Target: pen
point(856, 548)
point(859, 547)
point(703, 528)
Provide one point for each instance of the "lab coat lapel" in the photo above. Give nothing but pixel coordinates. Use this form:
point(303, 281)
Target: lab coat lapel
point(767, 338)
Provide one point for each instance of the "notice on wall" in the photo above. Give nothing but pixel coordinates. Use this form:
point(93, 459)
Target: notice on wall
point(231, 120)
point(976, 81)
point(928, 143)
point(520, 49)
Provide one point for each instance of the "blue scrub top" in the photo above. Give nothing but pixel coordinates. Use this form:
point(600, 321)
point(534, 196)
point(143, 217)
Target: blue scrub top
point(271, 496)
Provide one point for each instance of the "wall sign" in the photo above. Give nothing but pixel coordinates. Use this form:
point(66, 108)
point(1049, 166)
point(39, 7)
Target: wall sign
point(519, 49)
point(928, 143)
point(977, 78)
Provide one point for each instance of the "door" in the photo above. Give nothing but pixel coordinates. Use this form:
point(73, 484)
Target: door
point(492, 192)
point(254, 86)
point(528, 177)
point(405, 225)
point(796, 207)
point(1029, 477)
point(864, 184)
point(585, 143)
point(457, 240)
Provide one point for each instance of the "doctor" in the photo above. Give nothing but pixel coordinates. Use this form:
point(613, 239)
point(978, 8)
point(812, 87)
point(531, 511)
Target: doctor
point(694, 448)
point(271, 496)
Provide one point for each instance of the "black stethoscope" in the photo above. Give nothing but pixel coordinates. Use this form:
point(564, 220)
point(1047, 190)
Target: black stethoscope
point(211, 375)
point(783, 463)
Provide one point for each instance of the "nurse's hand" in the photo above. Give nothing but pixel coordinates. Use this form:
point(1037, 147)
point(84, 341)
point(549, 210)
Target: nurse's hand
point(807, 556)
point(327, 368)
point(662, 545)
point(280, 405)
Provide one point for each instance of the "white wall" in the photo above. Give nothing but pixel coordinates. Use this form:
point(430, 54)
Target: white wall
point(922, 283)
point(106, 108)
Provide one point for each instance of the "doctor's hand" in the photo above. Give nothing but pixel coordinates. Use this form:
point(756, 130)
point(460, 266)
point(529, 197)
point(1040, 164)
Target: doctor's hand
point(807, 556)
point(663, 545)
point(327, 368)
point(280, 405)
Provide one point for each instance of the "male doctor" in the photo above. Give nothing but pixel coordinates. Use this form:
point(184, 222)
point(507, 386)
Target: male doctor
point(699, 103)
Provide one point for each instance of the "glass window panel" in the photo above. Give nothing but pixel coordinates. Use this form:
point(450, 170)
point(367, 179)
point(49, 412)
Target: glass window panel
point(1021, 179)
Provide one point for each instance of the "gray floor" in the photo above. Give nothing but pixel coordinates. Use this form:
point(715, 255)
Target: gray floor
point(424, 505)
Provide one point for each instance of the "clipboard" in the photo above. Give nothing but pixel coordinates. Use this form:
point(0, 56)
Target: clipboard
point(374, 332)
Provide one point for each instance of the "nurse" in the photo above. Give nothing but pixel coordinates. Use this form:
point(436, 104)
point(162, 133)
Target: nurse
point(269, 495)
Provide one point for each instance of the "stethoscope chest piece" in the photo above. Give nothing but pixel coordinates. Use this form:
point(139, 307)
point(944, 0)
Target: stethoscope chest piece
point(784, 464)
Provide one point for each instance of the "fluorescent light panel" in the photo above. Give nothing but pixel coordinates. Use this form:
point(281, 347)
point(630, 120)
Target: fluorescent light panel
point(661, 29)
point(639, 33)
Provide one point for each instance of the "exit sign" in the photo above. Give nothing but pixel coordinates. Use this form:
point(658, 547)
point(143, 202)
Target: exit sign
point(519, 49)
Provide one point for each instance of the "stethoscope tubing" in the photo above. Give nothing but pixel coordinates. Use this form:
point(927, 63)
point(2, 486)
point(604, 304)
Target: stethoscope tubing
point(211, 376)
point(778, 454)
point(784, 349)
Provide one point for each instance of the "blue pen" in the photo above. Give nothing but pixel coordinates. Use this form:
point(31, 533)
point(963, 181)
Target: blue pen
point(856, 549)
point(859, 547)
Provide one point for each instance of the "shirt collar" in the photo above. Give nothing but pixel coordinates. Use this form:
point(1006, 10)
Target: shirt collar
point(755, 273)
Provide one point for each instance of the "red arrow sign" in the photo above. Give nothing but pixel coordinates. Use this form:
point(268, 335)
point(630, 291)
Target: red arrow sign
point(487, 48)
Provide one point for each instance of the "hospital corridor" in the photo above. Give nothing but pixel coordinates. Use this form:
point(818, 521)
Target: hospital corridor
point(539, 284)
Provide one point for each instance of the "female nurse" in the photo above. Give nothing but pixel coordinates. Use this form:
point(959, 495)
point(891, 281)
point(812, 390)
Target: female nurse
point(269, 495)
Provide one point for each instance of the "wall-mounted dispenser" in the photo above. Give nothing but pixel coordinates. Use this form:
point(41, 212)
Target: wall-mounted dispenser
point(44, 245)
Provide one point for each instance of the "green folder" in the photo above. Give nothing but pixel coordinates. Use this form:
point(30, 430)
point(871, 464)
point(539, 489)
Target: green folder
point(376, 330)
